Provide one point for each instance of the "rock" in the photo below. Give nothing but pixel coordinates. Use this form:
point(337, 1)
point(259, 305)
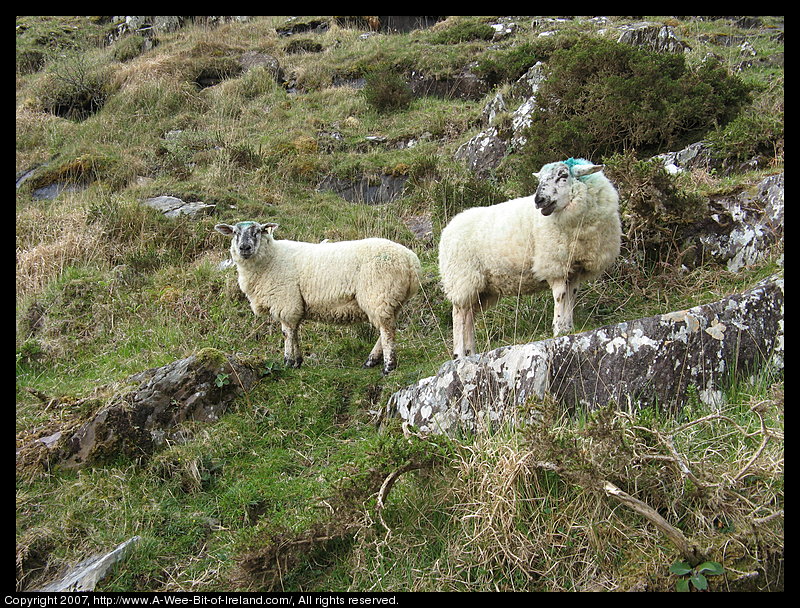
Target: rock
point(173, 207)
point(422, 227)
point(85, 575)
point(693, 156)
point(654, 36)
point(254, 59)
point(742, 229)
point(136, 421)
point(365, 191)
point(651, 361)
point(483, 152)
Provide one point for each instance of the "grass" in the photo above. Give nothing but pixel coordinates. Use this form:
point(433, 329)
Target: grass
point(294, 472)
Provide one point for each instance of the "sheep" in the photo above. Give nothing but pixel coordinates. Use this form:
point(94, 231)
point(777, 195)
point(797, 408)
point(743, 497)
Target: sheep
point(341, 282)
point(568, 232)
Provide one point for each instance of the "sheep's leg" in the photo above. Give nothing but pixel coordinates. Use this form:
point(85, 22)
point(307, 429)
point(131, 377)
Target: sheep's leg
point(387, 341)
point(463, 331)
point(375, 355)
point(564, 298)
point(292, 355)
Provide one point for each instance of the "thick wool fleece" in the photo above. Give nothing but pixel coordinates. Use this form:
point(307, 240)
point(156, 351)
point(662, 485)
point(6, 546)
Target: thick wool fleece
point(344, 282)
point(511, 248)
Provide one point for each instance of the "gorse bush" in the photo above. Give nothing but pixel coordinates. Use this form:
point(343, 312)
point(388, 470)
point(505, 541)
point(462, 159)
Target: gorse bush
point(602, 97)
point(386, 90)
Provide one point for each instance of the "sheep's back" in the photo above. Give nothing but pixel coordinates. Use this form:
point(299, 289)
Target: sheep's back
point(349, 281)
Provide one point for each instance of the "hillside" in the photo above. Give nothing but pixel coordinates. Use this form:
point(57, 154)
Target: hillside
point(341, 128)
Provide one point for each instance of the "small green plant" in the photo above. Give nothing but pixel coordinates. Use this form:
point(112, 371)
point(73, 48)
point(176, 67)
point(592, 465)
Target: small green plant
point(696, 576)
point(272, 368)
point(222, 380)
point(386, 90)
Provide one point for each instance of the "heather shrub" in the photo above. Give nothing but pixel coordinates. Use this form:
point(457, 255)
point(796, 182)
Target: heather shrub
point(602, 97)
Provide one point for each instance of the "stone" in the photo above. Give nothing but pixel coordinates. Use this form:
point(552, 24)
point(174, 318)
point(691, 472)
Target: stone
point(173, 207)
point(148, 410)
point(85, 575)
point(366, 191)
point(651, 361)
point(654, 36)
point(742, 229)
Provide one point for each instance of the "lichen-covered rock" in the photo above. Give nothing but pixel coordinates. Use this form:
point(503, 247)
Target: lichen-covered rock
point(743, 228)
point(139, 418)
point(649, 361)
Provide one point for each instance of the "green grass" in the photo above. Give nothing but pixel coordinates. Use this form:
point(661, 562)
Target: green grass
point(107, 288)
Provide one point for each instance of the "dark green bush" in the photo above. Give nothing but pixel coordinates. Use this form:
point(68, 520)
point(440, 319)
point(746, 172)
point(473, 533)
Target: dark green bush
point(463, 31)
point(602, 97)
point(653, 205)
point(750, 135)
point(386, 90)
point(506, 65)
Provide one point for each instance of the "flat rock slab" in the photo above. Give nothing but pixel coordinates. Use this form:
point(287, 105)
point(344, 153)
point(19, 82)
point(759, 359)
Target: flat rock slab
point(651, 361)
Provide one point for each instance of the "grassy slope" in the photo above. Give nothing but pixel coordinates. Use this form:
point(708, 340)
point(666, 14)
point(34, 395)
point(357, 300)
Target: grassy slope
point(114, 289)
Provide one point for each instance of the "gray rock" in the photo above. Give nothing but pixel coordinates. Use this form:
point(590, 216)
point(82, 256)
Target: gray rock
point(654, 36)
point(173, 207)
point(85, 575)
point(649, 361)
point(366, 191)
point(139, 418)
point(743, 228)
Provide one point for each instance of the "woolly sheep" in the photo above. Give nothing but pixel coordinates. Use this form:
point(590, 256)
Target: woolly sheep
point(344, 282)
point(566, 233)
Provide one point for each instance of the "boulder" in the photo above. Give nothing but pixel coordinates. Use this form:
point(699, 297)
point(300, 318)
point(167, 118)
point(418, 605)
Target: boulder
point(741, 229)
point(654, 36)
point(654, 361)
point(147, 411)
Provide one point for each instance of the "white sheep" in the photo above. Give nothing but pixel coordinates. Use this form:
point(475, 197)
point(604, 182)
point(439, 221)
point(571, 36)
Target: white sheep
point(567, 232)
point(344, 282)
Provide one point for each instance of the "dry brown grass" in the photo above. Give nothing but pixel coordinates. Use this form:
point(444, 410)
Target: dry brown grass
point(46, 245)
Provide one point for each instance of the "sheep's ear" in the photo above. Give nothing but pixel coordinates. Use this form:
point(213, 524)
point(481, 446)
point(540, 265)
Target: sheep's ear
point(269, 227)
point(582, 170)
point(224, 229)
point(537, 174)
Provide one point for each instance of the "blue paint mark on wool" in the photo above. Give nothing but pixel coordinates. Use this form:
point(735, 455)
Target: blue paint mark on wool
point(571, 162)
point(243, 224)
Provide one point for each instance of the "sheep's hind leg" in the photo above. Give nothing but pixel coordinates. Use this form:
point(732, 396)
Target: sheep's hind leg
point(375, 355)
point(387, 342)
point(292, 355)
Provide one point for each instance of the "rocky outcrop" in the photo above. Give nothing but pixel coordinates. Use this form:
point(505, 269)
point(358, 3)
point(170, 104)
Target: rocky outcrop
point(146, 412)
point(654, 361)
point(741, 229)
point(654, 36)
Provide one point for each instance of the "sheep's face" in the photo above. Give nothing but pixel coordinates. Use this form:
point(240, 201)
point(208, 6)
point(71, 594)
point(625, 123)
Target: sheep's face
point(555, 184)
point(246, 237)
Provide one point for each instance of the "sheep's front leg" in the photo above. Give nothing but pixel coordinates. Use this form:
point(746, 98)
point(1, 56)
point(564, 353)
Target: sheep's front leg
point(564, 298)
point(292, 355)
point(463, 331)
